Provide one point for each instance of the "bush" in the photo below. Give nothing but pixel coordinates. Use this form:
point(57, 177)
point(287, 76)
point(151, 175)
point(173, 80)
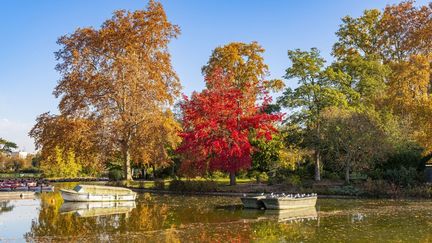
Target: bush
point(33, 170)
point(407, 155)
point(424, 191)
point(331, 175)
point(402, 177)
point(192, 186)
point(177, 185)
point(279, 176)
point(218, 175)
point(294, 180)
point(381, 188)
point(115, 175)
point(258, 176)
point(159, 184)
point(348, 190)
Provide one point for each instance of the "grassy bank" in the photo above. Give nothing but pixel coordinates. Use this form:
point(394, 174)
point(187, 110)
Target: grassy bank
point(364, 189)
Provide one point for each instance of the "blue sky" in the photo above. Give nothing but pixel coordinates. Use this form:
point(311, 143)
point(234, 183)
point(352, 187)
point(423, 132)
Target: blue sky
point(29, 30)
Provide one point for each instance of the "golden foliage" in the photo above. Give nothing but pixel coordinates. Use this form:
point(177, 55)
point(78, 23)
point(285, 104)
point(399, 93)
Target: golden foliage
point(119, 79)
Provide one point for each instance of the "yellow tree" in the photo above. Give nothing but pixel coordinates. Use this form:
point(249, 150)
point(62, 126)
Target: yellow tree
point(120, 78)
point(406, 45)
point(70, 138)
point(245, 64)
point(388, 58)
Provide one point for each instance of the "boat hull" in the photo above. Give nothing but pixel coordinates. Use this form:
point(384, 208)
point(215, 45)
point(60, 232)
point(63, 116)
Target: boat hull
point(289, 203)
point(87, 197)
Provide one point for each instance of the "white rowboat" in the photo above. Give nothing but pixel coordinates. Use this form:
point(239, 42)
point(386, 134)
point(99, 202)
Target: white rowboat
point(92, 193)
point(289, 203)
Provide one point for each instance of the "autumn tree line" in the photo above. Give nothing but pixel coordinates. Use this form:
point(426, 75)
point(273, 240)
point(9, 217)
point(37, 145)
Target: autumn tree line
point(366, 112)
point(12, 162)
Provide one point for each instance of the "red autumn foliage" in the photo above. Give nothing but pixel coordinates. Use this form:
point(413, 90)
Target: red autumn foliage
point(218, 124)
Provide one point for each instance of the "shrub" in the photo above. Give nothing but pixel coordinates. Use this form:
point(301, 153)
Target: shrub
point(217, 175)
point(348, 190)
point(279, 176)
point(115, 175)
point(381, 188)
point(258, 176)
point(424, 191)
point(403, 177)
point(177, 185)
point(294, 180)
point(159, 184)
point(262, 177)
point(331, 175)
point(407, 155)
point(123, 183)
point(30, 170)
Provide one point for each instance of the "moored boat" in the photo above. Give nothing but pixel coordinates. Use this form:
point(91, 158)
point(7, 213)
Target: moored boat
point(25, 185)
point(290, 201)
point(93, 193)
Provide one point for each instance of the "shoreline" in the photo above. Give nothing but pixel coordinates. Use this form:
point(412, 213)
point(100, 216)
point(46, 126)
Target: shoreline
point(224, 194)
point(251, 188)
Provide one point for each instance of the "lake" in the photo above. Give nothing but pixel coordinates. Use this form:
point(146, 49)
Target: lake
point(174, 218)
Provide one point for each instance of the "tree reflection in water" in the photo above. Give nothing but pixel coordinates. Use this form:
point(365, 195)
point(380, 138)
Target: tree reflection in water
point(161, 218)
point(5, 207)
point(168, 218)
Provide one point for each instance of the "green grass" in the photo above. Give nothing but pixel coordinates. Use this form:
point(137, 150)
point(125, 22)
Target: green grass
point(221, 182)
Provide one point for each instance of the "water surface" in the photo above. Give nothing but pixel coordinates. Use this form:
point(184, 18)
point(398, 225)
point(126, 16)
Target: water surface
point(173, 218)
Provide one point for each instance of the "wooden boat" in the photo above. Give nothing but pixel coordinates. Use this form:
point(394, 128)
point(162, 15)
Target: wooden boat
point(289, 202)
point(253, 202)
point(93, 209)
point(93, 193)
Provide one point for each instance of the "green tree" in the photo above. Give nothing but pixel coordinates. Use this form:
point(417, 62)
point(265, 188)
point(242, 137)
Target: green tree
point(353, 140)
point(319, 88)
point(387, 55)
point(270, 155)
point(7, 146)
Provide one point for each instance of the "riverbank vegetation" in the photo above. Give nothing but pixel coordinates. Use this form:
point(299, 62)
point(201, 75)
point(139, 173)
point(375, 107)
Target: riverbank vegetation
point(361, 121)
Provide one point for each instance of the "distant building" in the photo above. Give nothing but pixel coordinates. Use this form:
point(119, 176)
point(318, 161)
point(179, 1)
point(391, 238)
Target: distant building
point(20, 154)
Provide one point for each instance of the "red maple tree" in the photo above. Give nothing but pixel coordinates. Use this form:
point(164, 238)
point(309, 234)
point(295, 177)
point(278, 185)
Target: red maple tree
point(218, 125)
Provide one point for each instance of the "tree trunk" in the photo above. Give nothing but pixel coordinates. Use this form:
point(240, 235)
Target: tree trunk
point(317, 165)
point(347, 174)
point(318, 154)
point(232, 179)
point(143, 173)
point(127, 167)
